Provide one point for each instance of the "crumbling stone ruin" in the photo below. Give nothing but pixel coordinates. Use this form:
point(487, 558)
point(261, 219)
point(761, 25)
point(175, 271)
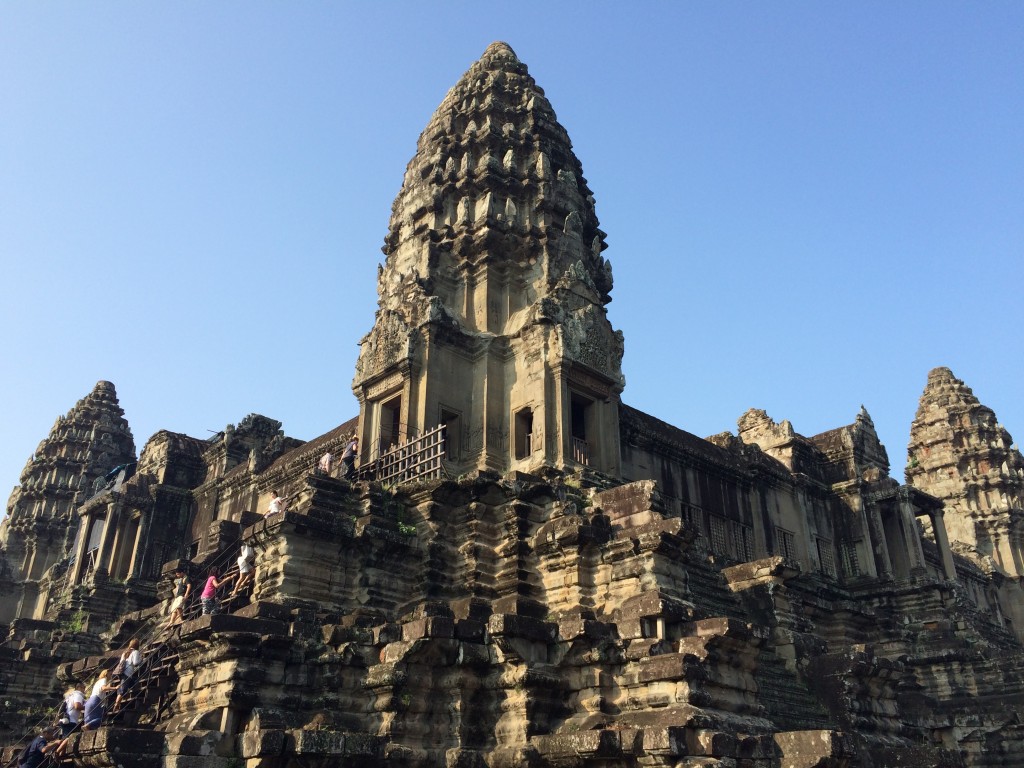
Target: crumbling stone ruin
point(524, 571)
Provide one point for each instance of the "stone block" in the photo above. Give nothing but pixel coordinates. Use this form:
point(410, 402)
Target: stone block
point(470, 630)
point(432, 626)
point(670, 666)
point(261, 609)
point(261, 743)
point(316, 742)
point(805, 749)
point(512, 625)
point(198, 743)
point(711, 743)
point(362, 745)
point(668, 741)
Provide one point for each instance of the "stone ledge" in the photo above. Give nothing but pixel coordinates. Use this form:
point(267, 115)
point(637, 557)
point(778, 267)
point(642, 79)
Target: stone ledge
point(225, 622)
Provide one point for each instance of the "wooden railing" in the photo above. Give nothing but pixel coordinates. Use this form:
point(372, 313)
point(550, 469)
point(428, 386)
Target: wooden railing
point(581, 451)
point(422, 458)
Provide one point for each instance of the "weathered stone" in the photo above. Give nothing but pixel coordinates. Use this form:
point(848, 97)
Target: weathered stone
point(588, 585)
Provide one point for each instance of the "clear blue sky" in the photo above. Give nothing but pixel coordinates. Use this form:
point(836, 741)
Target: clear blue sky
point(808, 205)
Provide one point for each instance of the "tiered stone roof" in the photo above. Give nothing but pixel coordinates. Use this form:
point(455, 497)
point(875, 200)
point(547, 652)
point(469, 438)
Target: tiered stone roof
point(959, 453)
point(83, 446)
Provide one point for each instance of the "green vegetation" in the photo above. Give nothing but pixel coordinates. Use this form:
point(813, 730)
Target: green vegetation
point(75, 622)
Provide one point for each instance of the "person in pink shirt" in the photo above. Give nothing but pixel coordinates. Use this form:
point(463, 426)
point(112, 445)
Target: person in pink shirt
point(208, 596)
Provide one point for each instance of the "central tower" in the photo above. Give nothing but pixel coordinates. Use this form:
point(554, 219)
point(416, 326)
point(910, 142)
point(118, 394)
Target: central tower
point(492, 297)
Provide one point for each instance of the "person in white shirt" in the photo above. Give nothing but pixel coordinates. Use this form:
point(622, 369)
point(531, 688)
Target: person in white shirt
point(326, 463)
point(277, 504)
point(129, 665)
point(246, 568)
point(74, 702)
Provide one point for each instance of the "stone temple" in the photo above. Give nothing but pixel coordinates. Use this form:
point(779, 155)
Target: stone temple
point(524, 571)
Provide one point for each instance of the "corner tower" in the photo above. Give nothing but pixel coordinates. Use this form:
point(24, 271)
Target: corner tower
point(492, 296)
point(959, 453)
point(83, 446)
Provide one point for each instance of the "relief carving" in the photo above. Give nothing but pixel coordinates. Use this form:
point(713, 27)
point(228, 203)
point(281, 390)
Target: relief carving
point(388, 342)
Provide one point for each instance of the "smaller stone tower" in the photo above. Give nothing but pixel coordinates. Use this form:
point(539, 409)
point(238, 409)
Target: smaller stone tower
point(959, 453)
point(83, 446)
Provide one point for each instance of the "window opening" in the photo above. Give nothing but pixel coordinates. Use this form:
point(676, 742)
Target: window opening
point(825, 557)
point(718, 542)
point(523, 433)
point(786, 543)
point(851, 563)
point(579, 412)
point(390, 422)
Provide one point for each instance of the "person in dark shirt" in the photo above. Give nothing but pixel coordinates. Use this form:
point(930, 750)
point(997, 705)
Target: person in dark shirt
point(35, 754)
point(348, 458)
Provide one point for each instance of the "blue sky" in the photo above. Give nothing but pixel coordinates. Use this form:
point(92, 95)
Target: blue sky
point(808, 205)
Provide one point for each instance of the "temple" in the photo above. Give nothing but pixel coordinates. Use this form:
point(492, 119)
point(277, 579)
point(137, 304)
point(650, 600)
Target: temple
point(522, 569)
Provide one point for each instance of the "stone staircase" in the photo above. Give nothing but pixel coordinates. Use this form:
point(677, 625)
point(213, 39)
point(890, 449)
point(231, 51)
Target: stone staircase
point(787, 702)
point(710, 592)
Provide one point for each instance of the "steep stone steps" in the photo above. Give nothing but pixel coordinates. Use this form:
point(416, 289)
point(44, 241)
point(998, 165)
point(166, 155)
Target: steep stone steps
point(787, 702)
point(710, 593)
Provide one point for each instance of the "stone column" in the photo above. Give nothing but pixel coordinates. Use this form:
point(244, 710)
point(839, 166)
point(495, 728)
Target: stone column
point(908, 522)
point(138, 558)
point(942, 541)
point(879, 548)
point(84, 534)
point(109, 534)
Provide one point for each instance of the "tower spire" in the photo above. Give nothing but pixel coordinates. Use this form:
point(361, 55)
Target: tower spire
point(494, 275)
point(83, 446)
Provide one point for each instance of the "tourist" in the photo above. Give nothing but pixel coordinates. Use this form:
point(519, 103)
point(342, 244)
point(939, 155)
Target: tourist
point(35, 753)
point(326, 463)
point(277, 504)
point(348, 458)
point(129, 664)
point(246, 567)
point(94, 709)
point(74, 705)
point(209, 594)
point(180, 592)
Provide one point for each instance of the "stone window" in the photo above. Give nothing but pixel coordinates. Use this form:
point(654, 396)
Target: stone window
point(744, 538)
point(719, 545)
point(649, 628)
point(694, 515)
point(851, 563)
point(523, 425)
point(826, 558)
point(730, 538)
point(452, 434)
point(785, 543)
